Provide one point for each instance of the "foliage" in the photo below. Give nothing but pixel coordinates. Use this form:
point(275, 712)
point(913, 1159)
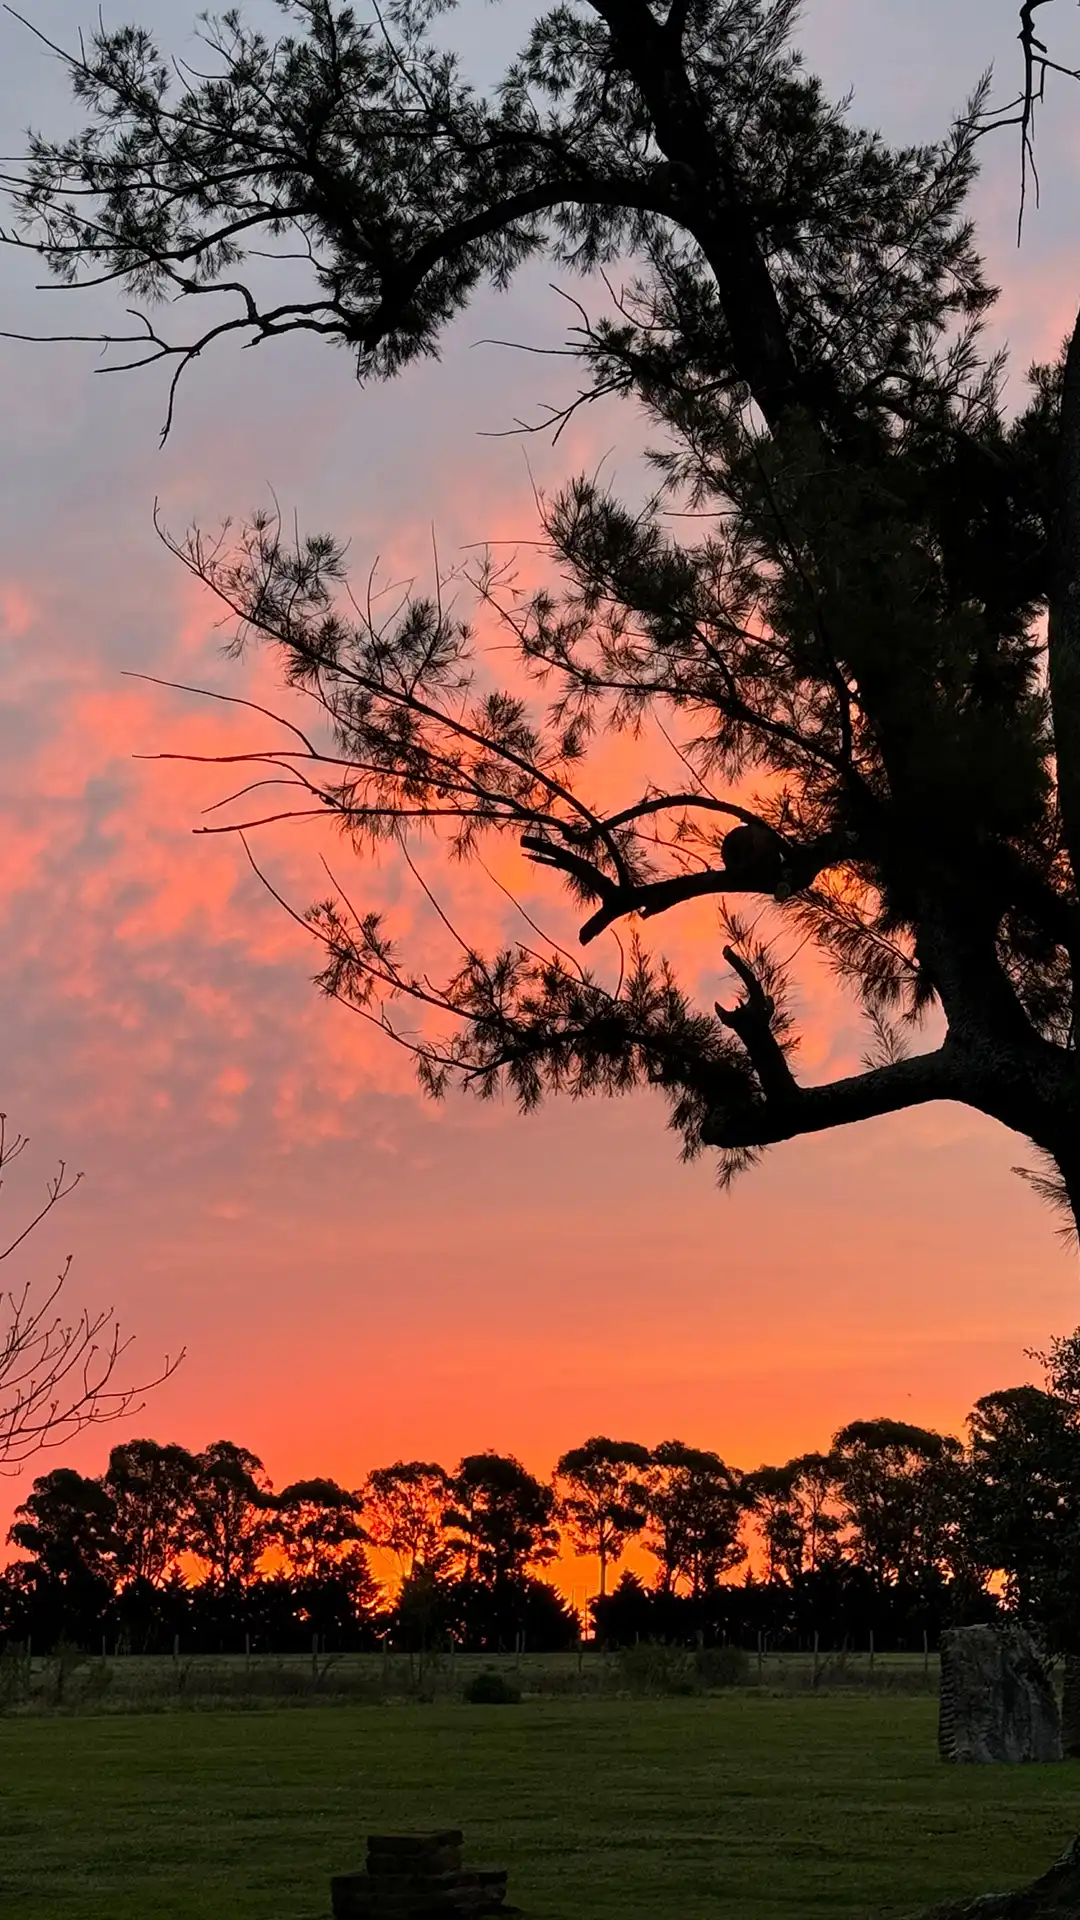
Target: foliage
point(151, 1488)
point(655, 1667)
point(1024, 1515)
point(14, 1676)
point(901, 1488)
point(491, 1689)
point(603, 1495)
point(229, 1526)
point(695, 1512)
point(852, 601)
point(659, 1667)
point(499, 1521)
point(896, 1531)
point(718, 1667)
point(317, 1526)
point(404, 1506)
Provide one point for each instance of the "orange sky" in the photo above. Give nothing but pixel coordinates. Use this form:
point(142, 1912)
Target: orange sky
point(356, 1275)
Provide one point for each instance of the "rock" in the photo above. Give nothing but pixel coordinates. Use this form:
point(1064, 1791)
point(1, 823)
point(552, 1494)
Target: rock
point(1070, 1707)
point(997, 1702)
point(1054, 1896)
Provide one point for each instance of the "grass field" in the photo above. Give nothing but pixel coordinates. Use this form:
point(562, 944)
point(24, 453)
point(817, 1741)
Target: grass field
point(752, 1805)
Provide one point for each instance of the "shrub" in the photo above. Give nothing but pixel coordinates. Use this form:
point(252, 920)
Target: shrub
point(722, 1667)
point(489, 1689)
point(14, 1676)
point(653, 1667)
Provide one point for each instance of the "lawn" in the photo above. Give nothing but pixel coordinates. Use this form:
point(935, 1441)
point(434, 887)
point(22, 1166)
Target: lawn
point(748, 1805)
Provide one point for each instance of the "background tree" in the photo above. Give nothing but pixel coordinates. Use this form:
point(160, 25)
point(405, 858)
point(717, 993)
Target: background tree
point(64, 1527)
point(602, 1498)
point(404, 1505)
point(815, 1489)
point(901, 1487)
point(1024, 1520)
point(318, 1527)
point(316, 1523)
point(231, 1507)
point(696, 1506)
point(500, 1519)
point(772, 1497)
point(1061, 1367)
point(856, 628)
point(150, 1488)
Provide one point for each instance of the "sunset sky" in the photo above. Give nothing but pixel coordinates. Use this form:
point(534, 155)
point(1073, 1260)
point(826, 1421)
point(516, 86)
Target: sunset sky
point(357, 1275)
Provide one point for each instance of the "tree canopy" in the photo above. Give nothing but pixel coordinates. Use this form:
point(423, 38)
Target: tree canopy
point(852, 602)
point(898, 1530)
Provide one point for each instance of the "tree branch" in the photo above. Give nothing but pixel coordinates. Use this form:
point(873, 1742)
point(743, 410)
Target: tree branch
point(752, 1020)
point(800, 868)
point(788, 1110)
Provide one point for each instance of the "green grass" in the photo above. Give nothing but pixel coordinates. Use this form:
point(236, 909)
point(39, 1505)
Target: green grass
point(740, 1807)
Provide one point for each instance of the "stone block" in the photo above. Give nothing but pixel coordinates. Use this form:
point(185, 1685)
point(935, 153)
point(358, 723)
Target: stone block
point(415, 1843)
point(382, 1865)
point(997, 1702)
point(418, 1876)
point(1070, 1707)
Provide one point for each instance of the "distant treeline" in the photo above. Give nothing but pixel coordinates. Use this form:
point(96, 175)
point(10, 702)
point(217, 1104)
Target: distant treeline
point(896, 1531)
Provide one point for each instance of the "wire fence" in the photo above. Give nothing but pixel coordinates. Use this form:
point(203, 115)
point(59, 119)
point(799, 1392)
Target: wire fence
point(69, 1680)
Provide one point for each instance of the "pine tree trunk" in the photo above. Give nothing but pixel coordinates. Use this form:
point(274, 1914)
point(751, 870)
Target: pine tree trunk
point(1064, 627)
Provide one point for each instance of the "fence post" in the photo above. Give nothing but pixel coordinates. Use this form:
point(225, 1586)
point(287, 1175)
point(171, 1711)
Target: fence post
point(314, 1659)
point(176, 1649)
point(247, 1653)
point(759, 1656)
point(871, 1650)
point(815, 1678)
point(926, 1658)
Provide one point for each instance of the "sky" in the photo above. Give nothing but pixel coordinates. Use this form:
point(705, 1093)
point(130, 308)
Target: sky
point(354, 1274)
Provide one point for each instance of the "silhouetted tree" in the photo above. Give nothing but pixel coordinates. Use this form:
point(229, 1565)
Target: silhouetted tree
point(318, 1526)
point(65, 1528)
point(901, 1487)
point(500, 1520)
point(602, 1498)
point(627, 1615)
point(695, 1512)
point(428, 1610)
point(315, 1523)
point(814, 1481)
point(853, 613)
point(1061, 1367)
point(151, 1488)
point(771, 1494)
point(66, 1525)
point(231, 1506)
point(1024, 1518)
point(404, 1506)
